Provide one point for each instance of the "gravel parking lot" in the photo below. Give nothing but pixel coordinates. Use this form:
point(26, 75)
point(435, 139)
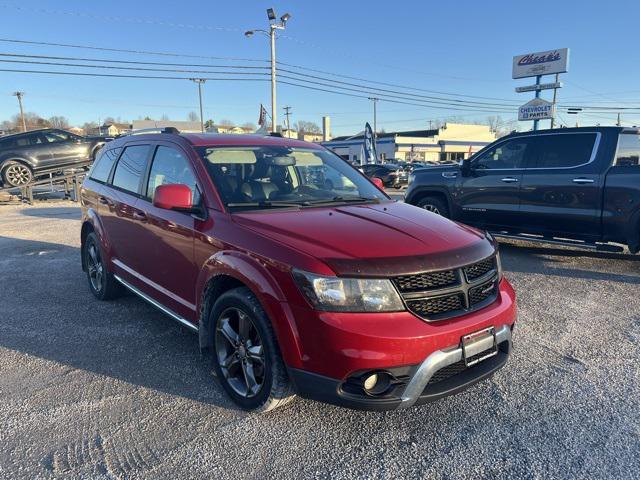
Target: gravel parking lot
point(118, 390)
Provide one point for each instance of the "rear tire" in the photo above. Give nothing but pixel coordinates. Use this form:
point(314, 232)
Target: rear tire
point(435, 205)
point(246, 357)
point(16, 174)
point(102, 283)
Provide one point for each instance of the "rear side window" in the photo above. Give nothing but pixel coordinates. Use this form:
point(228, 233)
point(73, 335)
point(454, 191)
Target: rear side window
point(563, 150)
point(104, 162)
point(628, 150)
point(506, 155)
point(171, 166)
point(130, 168)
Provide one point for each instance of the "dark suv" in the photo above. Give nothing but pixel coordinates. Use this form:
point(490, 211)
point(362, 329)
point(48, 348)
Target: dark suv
point(24, 155)
point(288, 280)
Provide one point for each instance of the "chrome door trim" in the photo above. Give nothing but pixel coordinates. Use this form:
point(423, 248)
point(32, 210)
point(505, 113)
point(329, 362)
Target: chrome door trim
point(158, 305)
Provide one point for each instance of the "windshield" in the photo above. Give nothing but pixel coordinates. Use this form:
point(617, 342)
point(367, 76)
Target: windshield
point(280, 177)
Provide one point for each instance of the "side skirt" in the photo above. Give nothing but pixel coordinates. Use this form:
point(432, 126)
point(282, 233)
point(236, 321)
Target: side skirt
point(182, 321)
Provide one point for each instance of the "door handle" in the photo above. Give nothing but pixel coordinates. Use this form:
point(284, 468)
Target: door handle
point(509, 180)
point(583, 180)
point(139, 216)
point(103, 201)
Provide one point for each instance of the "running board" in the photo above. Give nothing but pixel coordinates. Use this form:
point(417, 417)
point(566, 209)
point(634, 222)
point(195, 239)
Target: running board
point(598, 247)
point(182, 321)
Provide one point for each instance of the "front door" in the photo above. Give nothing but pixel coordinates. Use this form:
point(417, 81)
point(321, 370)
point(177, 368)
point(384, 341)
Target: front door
point(167, 260)
point(562, 186)
point(66, 148)
point(488, 194)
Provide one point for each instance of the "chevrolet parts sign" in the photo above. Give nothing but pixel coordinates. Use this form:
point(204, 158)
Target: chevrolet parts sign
point(541, 63)
point(536, 109)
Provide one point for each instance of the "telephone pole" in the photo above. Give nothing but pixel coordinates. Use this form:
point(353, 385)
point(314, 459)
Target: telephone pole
point(287, 112)
point(24, 123)
point(200, 81)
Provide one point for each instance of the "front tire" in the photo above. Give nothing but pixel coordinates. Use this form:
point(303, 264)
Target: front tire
point(435, 205)
point(102, 283)
point(246, 357)
point(16, 174)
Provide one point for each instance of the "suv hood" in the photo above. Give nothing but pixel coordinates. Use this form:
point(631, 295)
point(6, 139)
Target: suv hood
point(372, 240)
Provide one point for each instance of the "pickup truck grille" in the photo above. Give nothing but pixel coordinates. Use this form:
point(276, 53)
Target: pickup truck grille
point(448, 293)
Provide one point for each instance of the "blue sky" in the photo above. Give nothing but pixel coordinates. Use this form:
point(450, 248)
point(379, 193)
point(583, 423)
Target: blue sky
point(462, 47)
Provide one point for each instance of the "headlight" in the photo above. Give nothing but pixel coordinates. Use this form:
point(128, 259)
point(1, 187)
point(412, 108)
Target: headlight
point(337, 294)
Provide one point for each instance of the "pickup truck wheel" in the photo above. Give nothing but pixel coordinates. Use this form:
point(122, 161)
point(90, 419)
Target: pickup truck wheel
point(102, 283)
point(246, 358)
point(16, 174)
point(435, 205)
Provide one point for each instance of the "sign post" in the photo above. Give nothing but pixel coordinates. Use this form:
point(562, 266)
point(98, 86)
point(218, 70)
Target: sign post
point(536, 65)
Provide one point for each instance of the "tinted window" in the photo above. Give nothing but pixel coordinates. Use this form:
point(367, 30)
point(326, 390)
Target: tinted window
point(57, 136)
point(171, 166)
point(509, 154)
point(130, 168)
point(563, 150)
point(104, 162)
point(628, 150)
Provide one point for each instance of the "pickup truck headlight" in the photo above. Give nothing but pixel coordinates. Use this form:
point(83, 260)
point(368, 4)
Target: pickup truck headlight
point(335, 294)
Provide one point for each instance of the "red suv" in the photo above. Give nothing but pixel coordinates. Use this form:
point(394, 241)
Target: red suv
point(331, 291)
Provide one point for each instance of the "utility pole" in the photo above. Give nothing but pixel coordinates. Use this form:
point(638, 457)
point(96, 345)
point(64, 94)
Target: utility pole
point(24, 123)
point(618, 122)
point(273, 27)
point(287, 112)
point(200, 81)
point(555, 97)
point(375, 123)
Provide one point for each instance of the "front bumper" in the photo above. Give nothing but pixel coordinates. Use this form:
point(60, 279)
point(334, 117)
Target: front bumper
point(415, 383)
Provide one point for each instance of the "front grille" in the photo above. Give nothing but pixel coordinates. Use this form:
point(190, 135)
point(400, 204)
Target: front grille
point(482, 292)
point(448, 293)
point(426, 281)
point(479, 269)
point(426, 307)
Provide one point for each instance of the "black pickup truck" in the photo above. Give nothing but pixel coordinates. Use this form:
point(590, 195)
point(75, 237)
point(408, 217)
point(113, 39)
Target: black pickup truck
point(576, 186)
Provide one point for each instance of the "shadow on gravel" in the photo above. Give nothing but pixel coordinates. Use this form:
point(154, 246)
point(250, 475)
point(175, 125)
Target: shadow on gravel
point(52, 212)
point(46, 310)
point(613, 267)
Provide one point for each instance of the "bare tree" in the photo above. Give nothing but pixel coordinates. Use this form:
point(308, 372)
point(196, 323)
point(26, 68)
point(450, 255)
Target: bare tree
point(306, 127)
point(164, 117)
point(32, 121)
point(58, 122)
point(193, 117)
point(249, 126)
point(226, 123)
point(88, 127)
point(109, 120)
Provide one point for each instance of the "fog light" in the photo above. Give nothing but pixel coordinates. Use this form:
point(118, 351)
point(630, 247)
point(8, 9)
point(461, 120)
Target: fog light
point(371, 381)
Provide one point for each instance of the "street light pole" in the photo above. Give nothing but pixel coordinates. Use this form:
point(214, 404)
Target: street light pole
point(273, 26)
point(375, 123)
point(200, 81)
point(24, 123)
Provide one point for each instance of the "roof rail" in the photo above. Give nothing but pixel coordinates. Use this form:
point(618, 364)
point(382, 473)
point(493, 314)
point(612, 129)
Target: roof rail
point(142, 131)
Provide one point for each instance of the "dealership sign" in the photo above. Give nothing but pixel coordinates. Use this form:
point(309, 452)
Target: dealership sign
point(536, 109)
point(540, 63)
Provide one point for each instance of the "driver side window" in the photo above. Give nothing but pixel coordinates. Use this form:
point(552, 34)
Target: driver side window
point(506, 155)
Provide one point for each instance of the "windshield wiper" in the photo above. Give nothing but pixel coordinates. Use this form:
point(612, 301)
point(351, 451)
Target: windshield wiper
point(348, 199)
point(266, 204)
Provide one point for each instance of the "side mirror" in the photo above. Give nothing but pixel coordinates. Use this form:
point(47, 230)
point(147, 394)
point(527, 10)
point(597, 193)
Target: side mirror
point(176, 196)
point(378, 183)
point(465, 167)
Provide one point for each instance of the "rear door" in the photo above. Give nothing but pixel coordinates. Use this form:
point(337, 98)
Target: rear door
point(488, 195)
point(166, 263)
point(562, 186)
point(65, 147)
point(118, 210)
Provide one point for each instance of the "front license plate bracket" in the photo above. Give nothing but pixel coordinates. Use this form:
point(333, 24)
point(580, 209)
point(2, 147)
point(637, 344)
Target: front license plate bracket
point(479, 346)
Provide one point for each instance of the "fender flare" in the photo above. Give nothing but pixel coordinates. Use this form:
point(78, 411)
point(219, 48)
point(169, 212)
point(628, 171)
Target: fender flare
point(93, 220)
point(252, 273)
